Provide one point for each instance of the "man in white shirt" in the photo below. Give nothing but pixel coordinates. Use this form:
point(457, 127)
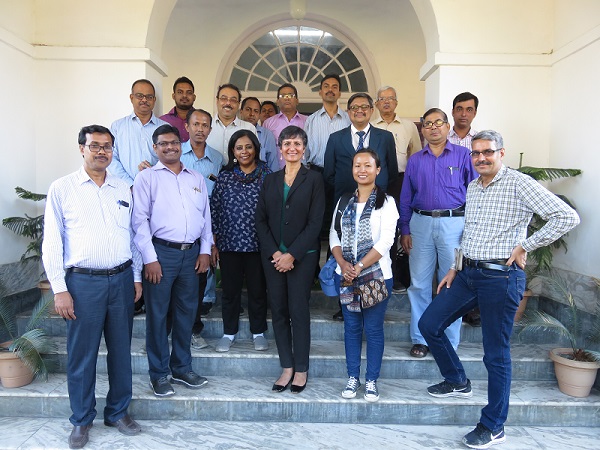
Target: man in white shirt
point(95, 272)
point(464, 110)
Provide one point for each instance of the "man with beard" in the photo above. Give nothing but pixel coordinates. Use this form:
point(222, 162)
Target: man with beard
point(226, 123)
point(133, 134)
point(250, 112)
point(183, 94)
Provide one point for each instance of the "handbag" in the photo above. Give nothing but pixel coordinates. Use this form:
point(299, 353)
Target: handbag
point(328, 278)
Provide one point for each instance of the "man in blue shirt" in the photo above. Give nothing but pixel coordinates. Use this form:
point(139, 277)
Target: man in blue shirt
point(250, 112)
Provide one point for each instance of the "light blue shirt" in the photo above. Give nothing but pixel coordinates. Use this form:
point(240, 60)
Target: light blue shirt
point(133, 144)
point(318, 127)
point(220, 134)
point(210, 164)
point(268, 148)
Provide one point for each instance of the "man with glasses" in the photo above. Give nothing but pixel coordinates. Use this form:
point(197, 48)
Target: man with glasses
point(133, 134)
point(464, 110)
point(287, 100)
point(95, 272)
point(184, 97)
point(171, 220)
point(408, 142)
point(226, 122)
point(499, 207)
point(432, 217)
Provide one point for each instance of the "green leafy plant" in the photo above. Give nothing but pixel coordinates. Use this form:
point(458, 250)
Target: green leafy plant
point(543, 256)
point(34, 342)
point(570, 327)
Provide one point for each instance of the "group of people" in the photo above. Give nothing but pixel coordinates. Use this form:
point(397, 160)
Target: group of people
point(160, 202)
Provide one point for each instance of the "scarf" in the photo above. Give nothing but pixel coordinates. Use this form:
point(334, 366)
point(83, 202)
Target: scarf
point(368, 288)
point(259, 173)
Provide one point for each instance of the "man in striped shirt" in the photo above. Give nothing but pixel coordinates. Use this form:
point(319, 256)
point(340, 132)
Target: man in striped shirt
point(499, 206)
point(95, 272)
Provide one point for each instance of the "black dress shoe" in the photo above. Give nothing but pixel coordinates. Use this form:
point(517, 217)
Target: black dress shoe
point(295, 389)
point(281, 387)
point(79, 436)
point(339, 316)
point(125, 425)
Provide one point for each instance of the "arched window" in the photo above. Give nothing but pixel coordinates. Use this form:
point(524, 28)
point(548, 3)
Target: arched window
point(297, 55)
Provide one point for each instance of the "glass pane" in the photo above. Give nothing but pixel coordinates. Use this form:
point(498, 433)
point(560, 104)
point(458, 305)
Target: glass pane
point(310, 35)
point(287, 35)
point(306, 54)
point(348, 60)
point(273, 87)
point(321, 59)
point(277, 79)
point(333, 68)
point(256, 84)
point(294, 70)
point(303, 70)
point(238, 78)
point(291, 53)
point(263, 69)
point(275, 58)
point(331, 44)
point(344, 86)
point(358, 81)
point(312, 73)
point(268, 40)
point(315, 87)
point(248, 59)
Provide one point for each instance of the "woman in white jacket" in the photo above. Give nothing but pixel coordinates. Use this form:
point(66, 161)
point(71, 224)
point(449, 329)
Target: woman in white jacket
point(362, 252)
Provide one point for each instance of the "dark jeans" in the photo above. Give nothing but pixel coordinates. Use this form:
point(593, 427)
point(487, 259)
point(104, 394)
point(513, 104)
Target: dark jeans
point(235, 266)
point(498, 295)
point(102, 304)
point(289, 296)
point(202, 282)
point(177, 291)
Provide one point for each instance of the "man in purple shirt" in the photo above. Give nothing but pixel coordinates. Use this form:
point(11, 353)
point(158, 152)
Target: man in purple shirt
point(171, 220)
point(432, 217)
point(183, 94)
point(287, 100)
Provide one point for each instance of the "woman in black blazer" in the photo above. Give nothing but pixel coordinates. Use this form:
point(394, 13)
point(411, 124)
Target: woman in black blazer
point(289, 215)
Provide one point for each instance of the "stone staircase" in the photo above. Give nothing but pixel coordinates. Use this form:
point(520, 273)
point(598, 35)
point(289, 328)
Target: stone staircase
point(240, 381)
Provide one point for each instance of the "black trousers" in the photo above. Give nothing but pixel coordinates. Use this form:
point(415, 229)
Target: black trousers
point(289, 296)
point(235, 267)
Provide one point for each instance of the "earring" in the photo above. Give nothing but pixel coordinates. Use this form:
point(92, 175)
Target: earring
point(234, 160)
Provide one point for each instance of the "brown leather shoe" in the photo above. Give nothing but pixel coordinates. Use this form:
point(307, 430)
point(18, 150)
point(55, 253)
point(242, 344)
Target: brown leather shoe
point(125, 425)
point(79, 436)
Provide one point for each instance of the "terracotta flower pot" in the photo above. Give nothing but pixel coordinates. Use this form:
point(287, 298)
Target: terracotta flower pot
point(575, 378)
point(13, 373)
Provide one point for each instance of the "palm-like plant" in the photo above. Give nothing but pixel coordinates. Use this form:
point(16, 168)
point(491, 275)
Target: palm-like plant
point(34, 342)
point(570, 328)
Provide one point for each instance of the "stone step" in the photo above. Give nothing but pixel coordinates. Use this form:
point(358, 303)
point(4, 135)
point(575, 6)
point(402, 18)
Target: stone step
point(327, 360)
point(402, 401)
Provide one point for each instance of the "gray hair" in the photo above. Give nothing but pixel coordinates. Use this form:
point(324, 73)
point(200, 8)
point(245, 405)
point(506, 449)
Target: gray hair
point(385, 88)
point(490, 135)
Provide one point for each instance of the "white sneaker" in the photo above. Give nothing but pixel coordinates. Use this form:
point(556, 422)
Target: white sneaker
point(198, 342)
point(371, 392)
point(351, 387)
point(224, 344)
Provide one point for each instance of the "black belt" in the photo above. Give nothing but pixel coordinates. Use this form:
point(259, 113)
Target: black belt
point(458, 212)
point(101, 272)
point(177, 245)
point(492, 264)
point(316, 168)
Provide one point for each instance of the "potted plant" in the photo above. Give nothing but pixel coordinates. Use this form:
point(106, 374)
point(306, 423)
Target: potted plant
point(575, 367)
point(21, 359)
point(542, 257)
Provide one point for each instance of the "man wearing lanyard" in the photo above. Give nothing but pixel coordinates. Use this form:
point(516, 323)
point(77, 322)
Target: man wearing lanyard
point(171, 220)
point(432, 217)
point(94, 269)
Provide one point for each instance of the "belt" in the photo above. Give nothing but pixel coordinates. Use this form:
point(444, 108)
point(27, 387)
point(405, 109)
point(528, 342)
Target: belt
point(492, 264)
point(101, 272)
point(458, 212)
point(316, 168)
point(177, 245)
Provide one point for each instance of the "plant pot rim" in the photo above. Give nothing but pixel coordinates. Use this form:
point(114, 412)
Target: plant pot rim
point(8, 355)
point(555, 356)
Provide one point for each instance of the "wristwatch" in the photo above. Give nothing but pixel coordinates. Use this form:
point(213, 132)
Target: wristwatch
point(361, 265)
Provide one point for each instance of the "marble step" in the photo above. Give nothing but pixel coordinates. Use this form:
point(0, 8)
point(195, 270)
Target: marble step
point(402, 401)
point(327, 359)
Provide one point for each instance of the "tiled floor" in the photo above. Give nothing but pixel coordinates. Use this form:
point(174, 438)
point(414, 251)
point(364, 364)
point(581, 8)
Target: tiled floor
point(53, 434)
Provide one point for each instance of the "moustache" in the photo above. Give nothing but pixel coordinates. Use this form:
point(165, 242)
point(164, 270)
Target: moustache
point(483, 163)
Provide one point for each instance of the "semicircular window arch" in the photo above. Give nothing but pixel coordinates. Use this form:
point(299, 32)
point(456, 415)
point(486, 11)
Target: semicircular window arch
point(297, 54)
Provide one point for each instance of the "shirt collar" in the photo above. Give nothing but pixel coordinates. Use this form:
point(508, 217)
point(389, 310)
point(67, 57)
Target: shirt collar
point(382, 120)
point(499, 175)
point(161, 166)
point(83, 177)
point(355, 130)
point(153, 118)
point(471, 133)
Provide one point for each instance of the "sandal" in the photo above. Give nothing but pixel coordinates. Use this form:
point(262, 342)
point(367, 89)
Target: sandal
point(419, 351)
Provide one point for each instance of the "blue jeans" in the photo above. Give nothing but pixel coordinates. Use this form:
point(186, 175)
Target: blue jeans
point(371, 321)
point(434, 240)
point(210, 293)
point(498, 295)
point(102, 304)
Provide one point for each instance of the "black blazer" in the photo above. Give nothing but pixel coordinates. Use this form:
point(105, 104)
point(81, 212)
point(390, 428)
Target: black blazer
point(340, 153)
point(302, 214)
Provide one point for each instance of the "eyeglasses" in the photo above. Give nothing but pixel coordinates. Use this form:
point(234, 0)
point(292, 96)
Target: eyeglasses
point(287, 96)
point(429, 124)
point(361, 107)
point(164, 144)
point(487, 153)
point(224, 99)
point(95, 148)
point(142, 96)
point(386, 99)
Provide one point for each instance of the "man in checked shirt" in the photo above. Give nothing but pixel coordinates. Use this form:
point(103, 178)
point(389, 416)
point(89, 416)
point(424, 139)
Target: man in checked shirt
point(499, 206)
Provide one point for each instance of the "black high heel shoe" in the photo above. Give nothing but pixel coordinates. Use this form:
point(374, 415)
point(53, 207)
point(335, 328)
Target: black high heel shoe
point(295, 389)
point(281, 387)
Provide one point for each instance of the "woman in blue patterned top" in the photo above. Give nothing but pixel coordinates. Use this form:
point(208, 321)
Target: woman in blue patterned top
point(233, 205)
